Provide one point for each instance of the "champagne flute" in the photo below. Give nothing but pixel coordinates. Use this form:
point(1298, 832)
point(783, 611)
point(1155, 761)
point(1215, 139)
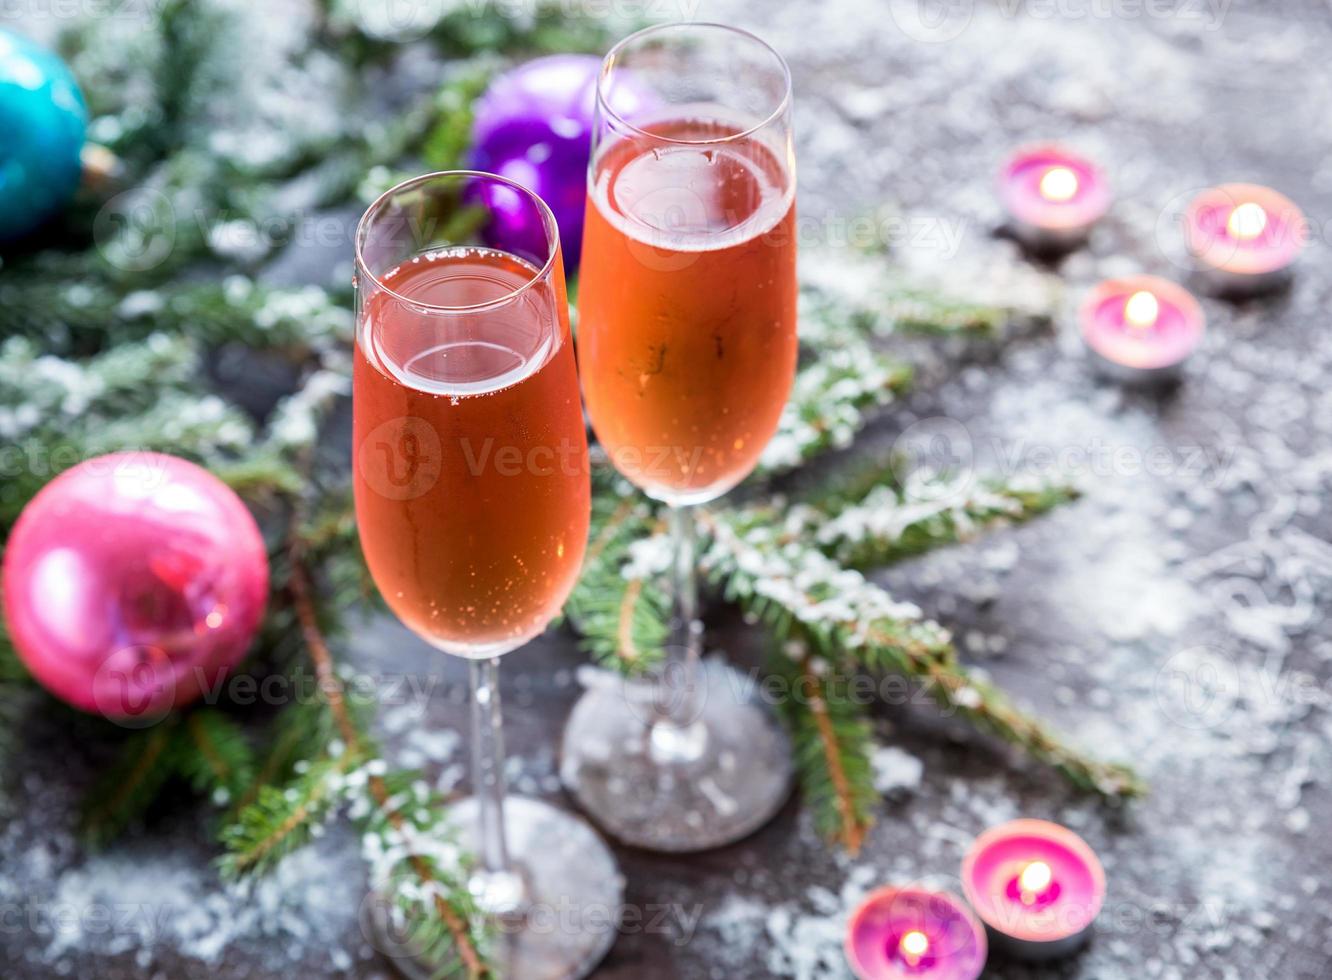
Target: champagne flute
point(472, 503)
point(686, 351)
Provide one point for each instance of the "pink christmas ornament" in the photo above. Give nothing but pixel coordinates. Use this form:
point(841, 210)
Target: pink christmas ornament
point(132, 583)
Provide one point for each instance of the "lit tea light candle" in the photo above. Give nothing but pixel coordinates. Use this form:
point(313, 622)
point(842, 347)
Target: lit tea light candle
point(1244, 238)
point(914, 934)
point(1037, 886)
point(1034, 882)
point(1142, 328)
point(1053, 196)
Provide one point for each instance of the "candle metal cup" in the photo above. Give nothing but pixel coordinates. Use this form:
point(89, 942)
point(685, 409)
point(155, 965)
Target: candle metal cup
point(1244, 238)
point(1053, 196)
point(912, 933)
point(1037, 886)
point(1140, 329)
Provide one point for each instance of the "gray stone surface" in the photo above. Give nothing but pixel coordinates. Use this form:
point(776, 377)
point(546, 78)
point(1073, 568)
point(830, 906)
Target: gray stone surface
point(1175, 617)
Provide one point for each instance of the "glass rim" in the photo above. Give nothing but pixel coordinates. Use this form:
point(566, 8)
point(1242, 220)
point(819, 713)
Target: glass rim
point(608, 64)
point(547, 220)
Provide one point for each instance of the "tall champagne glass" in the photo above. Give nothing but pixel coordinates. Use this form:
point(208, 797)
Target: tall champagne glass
point(686, 350)
point(472, 502)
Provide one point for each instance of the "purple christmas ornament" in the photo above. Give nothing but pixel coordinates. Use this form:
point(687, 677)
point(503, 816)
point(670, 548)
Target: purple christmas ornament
point(534, 126)
point(132, 583)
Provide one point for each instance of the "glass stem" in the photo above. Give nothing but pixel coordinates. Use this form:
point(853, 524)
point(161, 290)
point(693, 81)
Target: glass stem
point(677, 734)
point(496, 885)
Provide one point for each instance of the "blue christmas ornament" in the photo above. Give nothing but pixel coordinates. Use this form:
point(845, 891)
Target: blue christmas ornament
point(42, 122)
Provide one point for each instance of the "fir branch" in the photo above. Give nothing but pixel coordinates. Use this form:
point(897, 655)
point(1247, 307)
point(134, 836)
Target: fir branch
point(924, 312)
point(989, 709)
point(801, 592)
point(188, 31)
point(785, 582)
point(130, 786)
point(330, 687)
point(221, 763)
point(259, 477)
point(832, 741)
point(281, 820)
point(846, 291)
point(831, 400)
point(303, 731)
point(91, 314)
point(450, 137)
point(887, 311)
point(142, 396)
point(456, 922)
point(406, 839)
point(621, 614)
point(890, 523)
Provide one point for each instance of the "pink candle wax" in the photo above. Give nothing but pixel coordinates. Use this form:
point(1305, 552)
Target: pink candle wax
point(1244, 237)
point(1053, 196)
point(911, 933)
point(1141, 327)
point(1036, 885)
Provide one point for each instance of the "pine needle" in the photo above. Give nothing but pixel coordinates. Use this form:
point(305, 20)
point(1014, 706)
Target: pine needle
point(221, 762)
point(832, 743)
point(623, 618)
point(280, 820)
point(130, 786)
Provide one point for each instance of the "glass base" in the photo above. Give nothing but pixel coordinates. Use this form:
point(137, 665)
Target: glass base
point(737, 783)
point(574, 893)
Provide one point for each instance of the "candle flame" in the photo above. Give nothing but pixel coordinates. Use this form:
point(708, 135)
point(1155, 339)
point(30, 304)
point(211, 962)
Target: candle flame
point(1142, 309)
point(1034, 880)
point(914, 945)
point(1058, 184)
point(1247, 221)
